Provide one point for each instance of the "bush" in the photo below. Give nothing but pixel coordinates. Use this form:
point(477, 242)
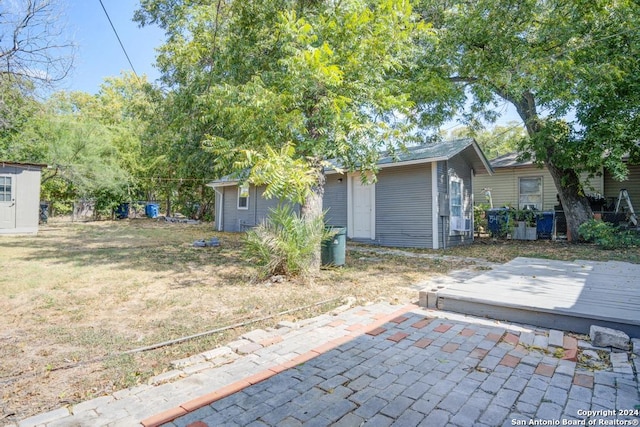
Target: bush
point(284, 243)
point(607, 235)
point(480, 217)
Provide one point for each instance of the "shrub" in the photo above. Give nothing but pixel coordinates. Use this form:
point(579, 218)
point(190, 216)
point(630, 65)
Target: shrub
point(284, 243)
point(480, 217)
point(607, 235)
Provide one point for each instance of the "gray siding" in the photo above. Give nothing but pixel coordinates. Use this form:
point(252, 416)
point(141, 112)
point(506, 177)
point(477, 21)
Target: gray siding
point(235, 219)
point(262, 206)
point(335, 200)
point(404, 207)
point(232, 216)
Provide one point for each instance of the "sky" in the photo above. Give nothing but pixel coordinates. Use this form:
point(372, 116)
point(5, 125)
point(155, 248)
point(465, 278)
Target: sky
point(99, 54)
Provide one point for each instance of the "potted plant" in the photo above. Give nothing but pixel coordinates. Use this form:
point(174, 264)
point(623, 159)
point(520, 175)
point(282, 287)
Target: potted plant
point(527, 225)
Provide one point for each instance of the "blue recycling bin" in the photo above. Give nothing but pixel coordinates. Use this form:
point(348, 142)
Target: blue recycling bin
point(498, 221)
point(152, 210)
point(544, 225)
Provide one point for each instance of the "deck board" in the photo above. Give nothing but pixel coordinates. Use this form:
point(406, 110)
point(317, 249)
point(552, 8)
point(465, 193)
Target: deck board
point(539, 291)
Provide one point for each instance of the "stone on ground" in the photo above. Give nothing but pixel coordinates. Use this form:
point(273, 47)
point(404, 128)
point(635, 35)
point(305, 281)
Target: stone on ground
point(607, 337)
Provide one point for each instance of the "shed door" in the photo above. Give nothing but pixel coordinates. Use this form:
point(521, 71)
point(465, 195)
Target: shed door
point(363, 209)
point(7, 201)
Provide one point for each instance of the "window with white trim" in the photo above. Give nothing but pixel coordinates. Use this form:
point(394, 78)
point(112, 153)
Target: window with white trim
point(5, 189)
point(456, 205)
point(243, 197)
point(530, 193)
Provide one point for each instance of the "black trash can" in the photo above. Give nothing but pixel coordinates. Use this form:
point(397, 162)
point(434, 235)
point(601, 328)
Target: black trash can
point(334, 248)
point(122, 211)
point(44, 212)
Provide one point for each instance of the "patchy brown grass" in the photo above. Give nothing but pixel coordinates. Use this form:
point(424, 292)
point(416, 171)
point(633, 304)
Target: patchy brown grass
point(76, 296)
point(502, 250)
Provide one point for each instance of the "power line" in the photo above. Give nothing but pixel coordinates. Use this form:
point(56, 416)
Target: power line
point(118, 37)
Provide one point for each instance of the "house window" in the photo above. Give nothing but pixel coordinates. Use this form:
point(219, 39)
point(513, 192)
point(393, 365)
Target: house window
point(243, 196)
point(456, 205)
point(5, 188)
point(530, 193)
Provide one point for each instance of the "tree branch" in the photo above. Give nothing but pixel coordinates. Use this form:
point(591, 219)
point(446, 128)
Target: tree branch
point(31, 45)
point(462, 79)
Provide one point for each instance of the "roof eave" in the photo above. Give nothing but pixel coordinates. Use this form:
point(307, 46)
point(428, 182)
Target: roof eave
point(215, 184)
point(483, 158)
point(24, 164)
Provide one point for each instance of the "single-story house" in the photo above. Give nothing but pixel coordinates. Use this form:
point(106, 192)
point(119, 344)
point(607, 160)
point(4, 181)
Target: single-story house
point(522, 184)
point(19, 197)
point(423, 198)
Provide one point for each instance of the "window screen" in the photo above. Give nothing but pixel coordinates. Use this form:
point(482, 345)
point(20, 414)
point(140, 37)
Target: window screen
point(530, 196)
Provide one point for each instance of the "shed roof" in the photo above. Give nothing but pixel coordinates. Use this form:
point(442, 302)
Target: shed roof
point(23, 164)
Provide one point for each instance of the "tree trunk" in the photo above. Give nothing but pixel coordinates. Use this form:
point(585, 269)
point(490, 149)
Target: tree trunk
point(576, 206)
point(202, 206)
point(168, 206)
point(310, 210)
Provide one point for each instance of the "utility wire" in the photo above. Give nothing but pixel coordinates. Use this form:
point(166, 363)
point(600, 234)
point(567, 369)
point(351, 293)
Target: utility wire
point(119, 41)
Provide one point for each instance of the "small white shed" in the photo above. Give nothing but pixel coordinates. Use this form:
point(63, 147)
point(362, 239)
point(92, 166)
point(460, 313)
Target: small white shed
point(19, 197)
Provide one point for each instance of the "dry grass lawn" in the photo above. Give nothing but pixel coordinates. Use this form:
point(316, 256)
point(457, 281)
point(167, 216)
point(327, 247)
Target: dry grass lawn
point(75, 297)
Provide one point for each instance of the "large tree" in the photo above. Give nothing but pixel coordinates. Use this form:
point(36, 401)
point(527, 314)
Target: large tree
point(549, 59)
point(289, 83)
point(92, 144)
point(81, 152)
point(33, 45)
point(17, 104)
point(33, 52)
point(495, 142)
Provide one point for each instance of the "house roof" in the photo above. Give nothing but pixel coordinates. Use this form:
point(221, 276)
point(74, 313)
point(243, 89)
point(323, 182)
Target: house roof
point(509, 160)
point(22, 164)
point(468, 148)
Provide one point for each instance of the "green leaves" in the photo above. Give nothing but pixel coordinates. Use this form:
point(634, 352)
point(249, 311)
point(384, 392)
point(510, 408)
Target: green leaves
point(319, 78)
point(92, 143)
point(284, 175)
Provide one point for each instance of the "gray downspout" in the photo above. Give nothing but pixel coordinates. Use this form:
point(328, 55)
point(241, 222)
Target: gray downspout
point(219, 217)
point(255, 207)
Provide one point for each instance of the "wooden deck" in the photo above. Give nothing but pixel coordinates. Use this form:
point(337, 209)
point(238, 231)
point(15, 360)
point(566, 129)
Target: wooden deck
point(561, 295)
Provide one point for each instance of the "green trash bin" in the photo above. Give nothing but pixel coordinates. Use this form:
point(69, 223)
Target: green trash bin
point(334, 249)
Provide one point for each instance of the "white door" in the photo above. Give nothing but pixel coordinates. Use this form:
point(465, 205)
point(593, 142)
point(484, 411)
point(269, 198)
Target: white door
point(7, 202)
point(362, 209)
